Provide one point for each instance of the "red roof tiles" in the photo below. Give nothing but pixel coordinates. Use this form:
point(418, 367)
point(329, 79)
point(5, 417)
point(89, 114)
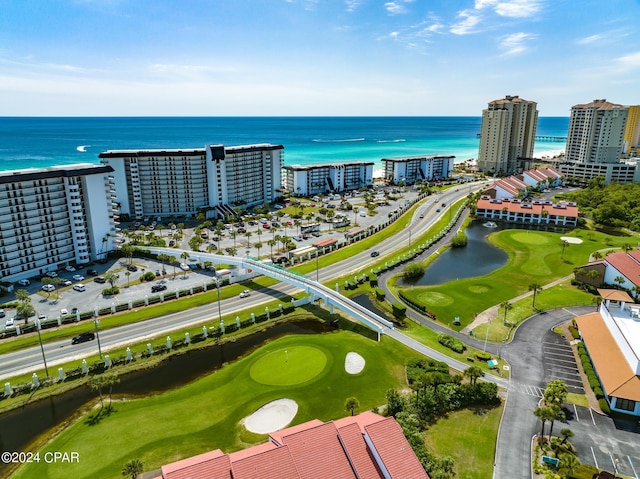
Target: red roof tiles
point(628, 264)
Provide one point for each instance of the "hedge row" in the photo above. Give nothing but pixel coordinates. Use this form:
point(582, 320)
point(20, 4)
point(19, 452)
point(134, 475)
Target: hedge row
point(452, 343)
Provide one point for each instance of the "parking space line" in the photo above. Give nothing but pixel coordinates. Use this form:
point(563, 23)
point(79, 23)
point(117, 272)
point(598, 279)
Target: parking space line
point(632, 468)
point(592, 418)
point(575, 410)
point(594, 457)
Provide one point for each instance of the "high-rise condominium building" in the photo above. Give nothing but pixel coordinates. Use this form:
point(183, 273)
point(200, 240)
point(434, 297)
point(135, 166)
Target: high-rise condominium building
point(632, 131)
point(184, 181)
point(332, 177)
point(507, 135)
point(409, 169)
point(596, 132)
point(54, 217)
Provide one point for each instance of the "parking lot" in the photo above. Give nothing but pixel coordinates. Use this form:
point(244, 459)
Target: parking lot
point(559, 363)
point(602, 441)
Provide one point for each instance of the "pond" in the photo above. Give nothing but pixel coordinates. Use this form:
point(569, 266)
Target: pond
point(478, 258)
point(20, 427)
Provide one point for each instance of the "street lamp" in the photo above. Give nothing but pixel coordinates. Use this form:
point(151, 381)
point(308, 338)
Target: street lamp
point(95, 322)
point(44, 359)
point(218, 287)
point(317, 280)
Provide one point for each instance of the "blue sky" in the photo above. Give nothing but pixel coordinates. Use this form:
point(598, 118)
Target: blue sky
point(313, 57)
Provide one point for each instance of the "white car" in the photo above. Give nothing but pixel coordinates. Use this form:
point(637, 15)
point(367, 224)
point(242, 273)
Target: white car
point(24, 282)
point(245, 293)
point(70, 268)
point(64, 312)
point(79, 287)
point(184, 266)
point(10, 322)
point(52, 274)
point(78, 277)
point(48, 288)
point(66, 282)
point(42, 317)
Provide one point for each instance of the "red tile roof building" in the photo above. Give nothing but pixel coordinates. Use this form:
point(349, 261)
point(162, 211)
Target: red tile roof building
point(366, 446)
point(535, 212)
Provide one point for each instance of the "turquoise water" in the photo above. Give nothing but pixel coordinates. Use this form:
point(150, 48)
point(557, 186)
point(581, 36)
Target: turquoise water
point(42, 142)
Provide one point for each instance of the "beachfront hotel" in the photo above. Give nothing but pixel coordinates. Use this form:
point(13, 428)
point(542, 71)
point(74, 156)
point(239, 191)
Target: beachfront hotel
point(410, 169)
point(310, 180)
point(632, 132)
point(170, 182)
point(54, 217)
point(507, 135)
point(596, 132)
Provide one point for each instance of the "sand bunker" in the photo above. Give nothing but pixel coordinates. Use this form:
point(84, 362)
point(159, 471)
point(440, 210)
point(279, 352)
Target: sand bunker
point(571, 240)
point(353, 363)
point(272, 416)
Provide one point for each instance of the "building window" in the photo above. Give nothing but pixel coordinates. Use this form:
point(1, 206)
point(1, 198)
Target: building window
point(625, 404)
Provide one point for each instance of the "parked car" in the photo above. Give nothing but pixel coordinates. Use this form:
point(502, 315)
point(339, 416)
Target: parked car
point(79, 287)
point(24, 282)
point(64, 312)
point(66, 282)
point(132, 267)
point(156, 288)
point(245, 293)
point(83, 337)
point(2, 313)
point(42, 317)
point(74, 310)
point(184, 267)
point(92, 272)
point(78, 277)
point(52, 274)
point(10, 323)
point(100, 279)
point(70, 268)
point(48, 288)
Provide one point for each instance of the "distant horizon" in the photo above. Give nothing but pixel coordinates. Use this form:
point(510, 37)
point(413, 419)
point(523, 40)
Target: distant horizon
point(259, 116)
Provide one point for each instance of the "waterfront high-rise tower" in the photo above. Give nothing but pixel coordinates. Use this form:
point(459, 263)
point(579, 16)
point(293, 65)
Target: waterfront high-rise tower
point(596, 132)
point(507, 135)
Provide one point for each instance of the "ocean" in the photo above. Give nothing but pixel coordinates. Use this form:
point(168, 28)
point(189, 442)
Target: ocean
point(38, 142)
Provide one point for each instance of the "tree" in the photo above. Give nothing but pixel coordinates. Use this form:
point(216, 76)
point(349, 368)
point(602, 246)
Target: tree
point(566, 434)
point(24, 309)
point(184, 256)
point(569, 463)
point(507, 306)
point(473, 373)
point(127, 251)
point(173, 261)
point(535, 287)
point(54, 281)
point(544, 414)
point(563, 244)
point(626, 247)
point(597, 255)
point(351, 404)
point(556, 413)
point(555, 394)
point(620, 280)
point(132, 468)
point(127, 274)
point(111, 278)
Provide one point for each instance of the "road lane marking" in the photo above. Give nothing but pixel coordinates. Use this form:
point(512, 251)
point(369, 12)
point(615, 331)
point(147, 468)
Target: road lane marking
point(594, 457)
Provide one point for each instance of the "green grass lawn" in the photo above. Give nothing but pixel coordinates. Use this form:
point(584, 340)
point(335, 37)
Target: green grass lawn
point(206, 414)
point(534, 257)
point(469, 437)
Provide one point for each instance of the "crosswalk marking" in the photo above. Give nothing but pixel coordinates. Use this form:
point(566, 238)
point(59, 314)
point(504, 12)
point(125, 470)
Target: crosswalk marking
point(527, 389)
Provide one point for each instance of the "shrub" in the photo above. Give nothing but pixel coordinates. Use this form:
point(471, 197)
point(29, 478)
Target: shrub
point(111, 291)
point(574, 332)
point(459, 240)
point(604, 405)
point(483, 356)
point(148, 276)
point(452, 343)
point(379, 294)
point(399, 310)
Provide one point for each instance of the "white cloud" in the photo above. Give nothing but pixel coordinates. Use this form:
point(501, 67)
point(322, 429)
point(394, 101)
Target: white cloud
point(590, 39)
point(630, 61)
point(515, 43)
point(518, 8)
point(352, 5)
point(467, 25)
point(395, 8)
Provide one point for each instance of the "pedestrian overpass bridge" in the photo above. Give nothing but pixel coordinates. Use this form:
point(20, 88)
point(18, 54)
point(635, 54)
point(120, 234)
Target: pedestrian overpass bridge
point(330, 297)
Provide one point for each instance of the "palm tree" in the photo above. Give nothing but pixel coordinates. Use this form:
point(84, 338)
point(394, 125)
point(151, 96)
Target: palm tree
point(566, 434)
point(127, 274)
point(258, 245)
point(351, 404)
point(271, 243)
point(111, 278)
point(132, 468)
point(544, 414)
point(473, 373)
point(556, 413)
point(597, 255)
point(507, 306)
point(248, 235)
point(184, 256)
point(569, 462)
point(535, 287)
point(626, 247)
point(620, 280)
point(173, 261)
point(563, 244)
